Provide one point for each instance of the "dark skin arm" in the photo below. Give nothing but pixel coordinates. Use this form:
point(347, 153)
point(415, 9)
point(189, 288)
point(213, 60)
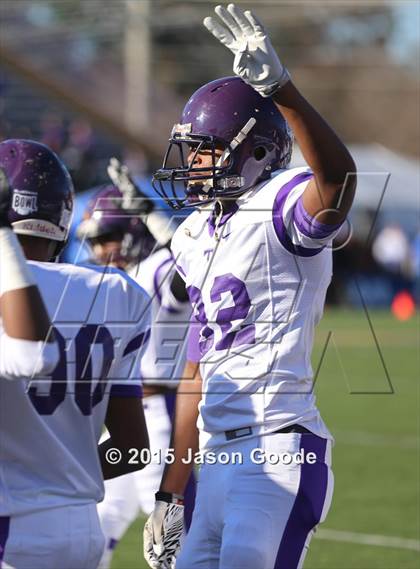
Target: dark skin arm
point(24, 315)
point(329, 195)
point(184, 430)
point(178, 288)
point(127, 428)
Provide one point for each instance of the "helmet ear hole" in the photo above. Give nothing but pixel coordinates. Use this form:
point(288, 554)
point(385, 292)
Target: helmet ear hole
point(260, 153)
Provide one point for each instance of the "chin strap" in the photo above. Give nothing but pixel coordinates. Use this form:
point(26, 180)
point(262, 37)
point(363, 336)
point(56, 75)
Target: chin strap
point(236, 141)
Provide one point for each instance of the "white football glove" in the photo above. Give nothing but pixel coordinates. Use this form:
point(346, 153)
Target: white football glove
point(134, 200)
point(133, 197)
point(162, 535)
point(255, 61)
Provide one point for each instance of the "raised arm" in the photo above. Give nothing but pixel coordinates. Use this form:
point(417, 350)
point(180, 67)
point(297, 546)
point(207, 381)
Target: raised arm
point(329, 195)
point(25, 320)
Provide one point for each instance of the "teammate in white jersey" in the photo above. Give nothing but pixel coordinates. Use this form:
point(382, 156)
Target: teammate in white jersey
point(117, 236)
point(257, 264)
point(51, 468)
point(25, 326)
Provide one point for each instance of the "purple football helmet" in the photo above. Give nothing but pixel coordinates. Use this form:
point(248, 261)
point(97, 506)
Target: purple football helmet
point(230, 116)
point(105, 217)
point(42, 190)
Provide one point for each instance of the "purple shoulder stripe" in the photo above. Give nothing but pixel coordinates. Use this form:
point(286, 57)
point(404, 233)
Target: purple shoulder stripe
point(126, 390)
point(278, 222)
point(309, 226)
point(193, 348)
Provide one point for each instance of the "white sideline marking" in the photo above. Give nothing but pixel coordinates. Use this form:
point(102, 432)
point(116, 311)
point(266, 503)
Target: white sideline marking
point(363, 438)
point(368, 539)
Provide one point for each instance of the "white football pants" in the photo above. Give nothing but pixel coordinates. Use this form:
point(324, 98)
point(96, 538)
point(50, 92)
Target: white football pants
point(67, 537)
point(259, 516)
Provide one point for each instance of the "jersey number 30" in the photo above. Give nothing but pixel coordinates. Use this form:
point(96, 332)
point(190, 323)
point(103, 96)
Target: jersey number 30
point(84, 397)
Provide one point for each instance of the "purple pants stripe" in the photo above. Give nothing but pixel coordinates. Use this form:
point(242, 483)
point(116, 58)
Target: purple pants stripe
point(307, 508)
point(4, 534)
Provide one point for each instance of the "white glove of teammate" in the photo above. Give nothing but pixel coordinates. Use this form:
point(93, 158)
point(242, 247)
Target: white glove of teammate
point(133, 197)
point(162, 535)
point(134, 200)
point(255, 62)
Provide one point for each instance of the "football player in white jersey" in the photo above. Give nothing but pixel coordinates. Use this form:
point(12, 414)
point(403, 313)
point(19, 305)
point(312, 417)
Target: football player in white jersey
point(25, 326)
point(51, 468)
point(117, 236)
point(257, 263)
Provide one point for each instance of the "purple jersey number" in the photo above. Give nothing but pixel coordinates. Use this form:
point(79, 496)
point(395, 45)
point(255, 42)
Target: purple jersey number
point(225, 316)
point(206, 333)
point(85, 399)
point(239, 311)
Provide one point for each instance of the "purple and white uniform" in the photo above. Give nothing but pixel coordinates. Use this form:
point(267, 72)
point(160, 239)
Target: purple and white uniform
point(50, 473)
point(257, 278)
point(164, 360)
point(162, 364)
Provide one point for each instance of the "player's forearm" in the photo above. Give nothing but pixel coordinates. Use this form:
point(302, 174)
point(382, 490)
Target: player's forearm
point(322, 149)
point(126, 425)
point(184, 439)
point(185, 446)
point(25, 316)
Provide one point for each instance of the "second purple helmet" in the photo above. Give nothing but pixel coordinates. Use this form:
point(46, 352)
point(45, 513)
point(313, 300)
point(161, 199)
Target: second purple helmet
point(228, 115)
point(106, 218)
point(42, 190)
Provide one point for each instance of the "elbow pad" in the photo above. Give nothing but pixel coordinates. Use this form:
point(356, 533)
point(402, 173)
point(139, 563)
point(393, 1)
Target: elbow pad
point(24, 359)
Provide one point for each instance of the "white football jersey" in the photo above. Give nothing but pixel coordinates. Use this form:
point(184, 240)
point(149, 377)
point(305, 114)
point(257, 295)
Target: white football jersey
point(257, 283)
point(50, 427)
point(164, 359)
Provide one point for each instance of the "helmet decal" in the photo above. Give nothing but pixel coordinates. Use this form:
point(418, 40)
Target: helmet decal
point(24, 202)
point(42, 190)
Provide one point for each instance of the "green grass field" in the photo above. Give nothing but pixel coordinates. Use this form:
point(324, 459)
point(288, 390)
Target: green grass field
point(374, 416)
